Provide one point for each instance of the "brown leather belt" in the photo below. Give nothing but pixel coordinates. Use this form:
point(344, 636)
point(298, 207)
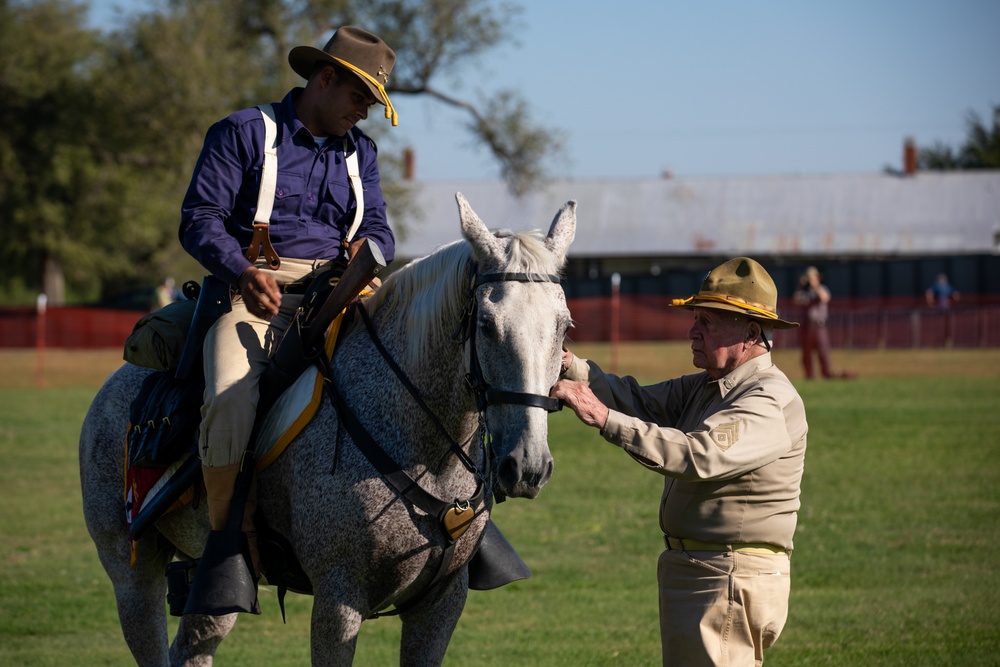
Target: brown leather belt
point(679, 544)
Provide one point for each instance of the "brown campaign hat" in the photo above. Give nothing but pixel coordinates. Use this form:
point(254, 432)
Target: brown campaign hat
point(740, 285)
point(363, 53)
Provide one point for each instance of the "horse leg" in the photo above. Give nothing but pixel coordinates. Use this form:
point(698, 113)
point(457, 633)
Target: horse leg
point(140, 592)
point(198, 637)
point(335, 624)
point(427, 629)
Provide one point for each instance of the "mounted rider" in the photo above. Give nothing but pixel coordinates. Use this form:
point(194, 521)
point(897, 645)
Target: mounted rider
point(279, 193)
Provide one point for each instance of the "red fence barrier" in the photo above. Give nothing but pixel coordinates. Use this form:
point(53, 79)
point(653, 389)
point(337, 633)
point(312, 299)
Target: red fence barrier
point(67, 327)
point(852, 325)
point(640, 318)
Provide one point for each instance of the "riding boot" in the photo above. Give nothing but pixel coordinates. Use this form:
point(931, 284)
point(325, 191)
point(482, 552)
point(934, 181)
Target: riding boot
point(225, 580)
point(220, 482)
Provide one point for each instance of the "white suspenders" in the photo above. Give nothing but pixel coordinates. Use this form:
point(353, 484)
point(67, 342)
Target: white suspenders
point(269, 171)
point(269, 175)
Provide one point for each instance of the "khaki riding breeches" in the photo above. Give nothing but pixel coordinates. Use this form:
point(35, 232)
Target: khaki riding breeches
point(721, 608)
point(238, 348)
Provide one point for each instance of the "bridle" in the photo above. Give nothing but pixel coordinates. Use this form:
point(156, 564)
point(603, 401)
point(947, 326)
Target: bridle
point(484, 394)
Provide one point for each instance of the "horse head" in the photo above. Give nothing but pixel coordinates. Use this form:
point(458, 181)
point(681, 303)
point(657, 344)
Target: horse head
point(518, 320)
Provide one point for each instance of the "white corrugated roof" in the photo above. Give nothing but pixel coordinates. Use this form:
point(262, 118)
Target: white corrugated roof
point(868, 214)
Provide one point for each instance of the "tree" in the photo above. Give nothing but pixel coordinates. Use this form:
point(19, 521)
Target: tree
point(440, 36)
point(49, 178)
point(981, 149)
point(100, 132)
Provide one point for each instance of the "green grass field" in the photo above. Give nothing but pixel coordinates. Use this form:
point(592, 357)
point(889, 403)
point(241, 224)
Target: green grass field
point(896, 559)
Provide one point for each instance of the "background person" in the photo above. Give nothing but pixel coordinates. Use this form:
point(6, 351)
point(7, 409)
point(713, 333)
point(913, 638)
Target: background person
point(314, 206)
point(941, 294)
point(730, 442)
point(165, 294)
point(814, 296)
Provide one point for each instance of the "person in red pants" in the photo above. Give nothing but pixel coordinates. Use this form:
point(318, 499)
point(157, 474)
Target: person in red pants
point(814, 297)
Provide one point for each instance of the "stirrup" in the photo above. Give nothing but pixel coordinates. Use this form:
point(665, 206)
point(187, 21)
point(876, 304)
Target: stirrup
point(224, 582)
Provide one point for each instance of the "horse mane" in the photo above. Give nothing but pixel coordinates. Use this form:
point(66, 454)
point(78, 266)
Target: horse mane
point(429, 293)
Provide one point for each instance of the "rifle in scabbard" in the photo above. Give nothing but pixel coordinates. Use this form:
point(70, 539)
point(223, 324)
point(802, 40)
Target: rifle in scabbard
point(303, 341)
point(364, 266)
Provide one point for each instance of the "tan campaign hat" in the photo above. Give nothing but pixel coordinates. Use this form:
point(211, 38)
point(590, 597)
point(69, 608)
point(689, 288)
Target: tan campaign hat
point(359, 51)
point(740, 285)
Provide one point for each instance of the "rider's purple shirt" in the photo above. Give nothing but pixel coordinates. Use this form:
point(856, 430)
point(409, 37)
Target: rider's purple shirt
point(313, 203)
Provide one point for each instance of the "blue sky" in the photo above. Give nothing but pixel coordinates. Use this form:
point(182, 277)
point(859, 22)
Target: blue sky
point(722, 87)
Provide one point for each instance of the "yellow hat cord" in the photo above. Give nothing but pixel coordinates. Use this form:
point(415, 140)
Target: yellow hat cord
point(721, 299)
point(390, 111)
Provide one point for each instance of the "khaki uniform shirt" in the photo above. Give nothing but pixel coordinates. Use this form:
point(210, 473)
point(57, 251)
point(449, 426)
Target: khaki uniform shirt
point(732, 450)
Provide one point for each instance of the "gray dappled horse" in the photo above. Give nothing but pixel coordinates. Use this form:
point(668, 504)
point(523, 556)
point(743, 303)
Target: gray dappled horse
point(363, 547)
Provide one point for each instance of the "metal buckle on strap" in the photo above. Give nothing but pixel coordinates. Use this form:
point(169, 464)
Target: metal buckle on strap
point(296, 287)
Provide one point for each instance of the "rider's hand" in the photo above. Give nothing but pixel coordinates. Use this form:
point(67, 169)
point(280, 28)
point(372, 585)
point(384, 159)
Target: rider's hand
point(260, 292)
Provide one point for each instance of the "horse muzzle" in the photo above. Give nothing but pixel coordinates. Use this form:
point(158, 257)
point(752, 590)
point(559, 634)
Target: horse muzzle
point(516, 477)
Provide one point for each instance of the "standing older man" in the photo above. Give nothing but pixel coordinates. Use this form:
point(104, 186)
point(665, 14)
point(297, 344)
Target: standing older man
point(731, 443)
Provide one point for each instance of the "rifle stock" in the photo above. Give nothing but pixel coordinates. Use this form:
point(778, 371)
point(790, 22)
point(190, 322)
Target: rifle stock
point(366, 263)
point(303, 339)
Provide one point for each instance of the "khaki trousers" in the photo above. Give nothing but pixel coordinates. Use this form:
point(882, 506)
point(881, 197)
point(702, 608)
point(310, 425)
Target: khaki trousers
point(237, 350)
point(721, 608)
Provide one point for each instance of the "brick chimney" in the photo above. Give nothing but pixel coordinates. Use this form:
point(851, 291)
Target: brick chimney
point(409, 164)
point(909, 156)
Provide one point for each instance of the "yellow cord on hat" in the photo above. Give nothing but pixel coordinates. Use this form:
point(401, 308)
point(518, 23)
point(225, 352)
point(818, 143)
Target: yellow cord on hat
point(721, 299)
point(390, 111)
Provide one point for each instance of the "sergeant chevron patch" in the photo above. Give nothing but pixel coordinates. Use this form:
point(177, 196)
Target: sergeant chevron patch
point(725, 435)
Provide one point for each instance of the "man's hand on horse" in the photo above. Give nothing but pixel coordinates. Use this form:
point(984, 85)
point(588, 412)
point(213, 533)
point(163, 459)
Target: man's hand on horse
point(582, 401)
point(260, 292)
point(567, 360)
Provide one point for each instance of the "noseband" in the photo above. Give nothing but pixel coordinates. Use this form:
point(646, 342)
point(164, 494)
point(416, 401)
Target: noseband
point(486, 395)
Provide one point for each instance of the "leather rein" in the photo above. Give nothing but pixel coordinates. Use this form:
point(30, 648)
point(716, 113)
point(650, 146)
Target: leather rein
point(454, 517)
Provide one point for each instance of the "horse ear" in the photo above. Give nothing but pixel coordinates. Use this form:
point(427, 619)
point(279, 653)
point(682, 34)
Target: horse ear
point(563, 230)
point(484, 243)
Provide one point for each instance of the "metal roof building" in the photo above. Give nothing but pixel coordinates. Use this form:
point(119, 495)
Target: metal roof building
point(798, 216)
